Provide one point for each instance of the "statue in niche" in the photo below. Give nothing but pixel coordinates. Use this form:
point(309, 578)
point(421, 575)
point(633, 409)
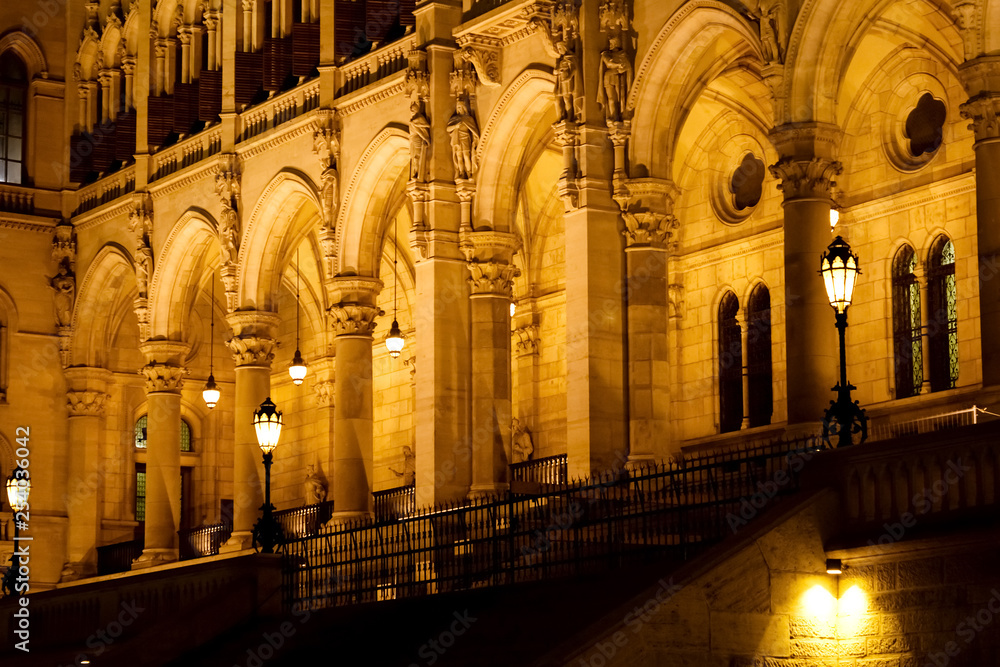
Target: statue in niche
point(521, 445)
point(566, 69)
point(228, 234)
point(409, 472)
point(420, 141)
point(771, 33)
point(143, 265)
point(464, 133)
point(616, 79)
point(64, 283)
point(315, 488)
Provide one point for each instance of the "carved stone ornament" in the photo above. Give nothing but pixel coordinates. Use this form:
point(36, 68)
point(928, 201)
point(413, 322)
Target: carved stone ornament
point(675, 300)
point(417, 82)
point(495, 278)
point(162, 377)
point(354, 319)
point(324, 394)
point(525, 340)
point(251, 350)
point(806, 179)
point(64, 245)
point(86, 403)
point(485, 62)
point(983, 112)
point(646, 228)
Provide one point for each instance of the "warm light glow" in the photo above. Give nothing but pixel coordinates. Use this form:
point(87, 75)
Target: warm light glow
point(267, 422)
point(819, 602)
point(394, 342)
point(839, 268)
point(513, 308)
point(211, 392)
point(853, 601)
point(834, 217)
point(298, 369)
point(18, 488)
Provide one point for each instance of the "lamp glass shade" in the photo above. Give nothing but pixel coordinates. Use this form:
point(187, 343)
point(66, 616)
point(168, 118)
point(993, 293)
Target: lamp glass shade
point(18, 488)
point(834, 217)
point(839, 268)
point(267, 422)
point(394, 341)
point(298, 369)
point(211, 392)
point(513, 308)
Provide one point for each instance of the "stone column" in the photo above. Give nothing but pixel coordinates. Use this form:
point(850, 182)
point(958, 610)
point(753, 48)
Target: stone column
point(164, 375)
point(649, 232)
point(128, 70)
point(741, 320)
point(353, 320)
point(252, 346)
point(85, 402)
point(806, 171)
point(324, 388)
point(524, 345)
point(490, 260)
point(920, 273)
point(981, 78)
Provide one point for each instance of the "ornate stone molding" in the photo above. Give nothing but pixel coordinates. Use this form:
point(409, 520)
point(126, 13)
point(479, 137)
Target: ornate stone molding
point(324, 394)
point(252, 350)
point(804, 141)
point(983, 112)
point(806, 179)
point(525, 340)
point(492, 278)
point(648, 229)
point(488, 245)
point(354, 319)
point(227, 187)
point(485, 62)
point(86, 403)
point(675, 301)
point(981, 75)
point(417, 82)
point(163, 377)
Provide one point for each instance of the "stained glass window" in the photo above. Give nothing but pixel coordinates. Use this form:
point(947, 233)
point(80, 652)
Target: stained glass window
point(759, 357)
point(140, 434)
point(942, 325)
point(730, 365)
point(13, 94)
point(907, 348)
point(140, 492)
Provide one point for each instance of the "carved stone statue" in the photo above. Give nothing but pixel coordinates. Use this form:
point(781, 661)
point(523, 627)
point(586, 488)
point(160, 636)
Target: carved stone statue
point(143, 266)
point(616, 79)
point(229, 235)
point(566, 70)
point(420, 141)
point(64, 283)
point(768, 36)
point(521, 446)
point(464, 133)
point(409, 472)
point(315, 488)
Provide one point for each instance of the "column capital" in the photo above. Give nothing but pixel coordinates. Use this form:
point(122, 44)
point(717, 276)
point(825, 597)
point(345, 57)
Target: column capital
point(87, 378)
point(163, 378)
point(804, 141)
point(489, 245)
point(252, 350)
point(170, 352)
point(981, 75)
point(526, 340)
point(354, 319)
point(646, 229)
point(810, 178)
point(85, 403)
point(492, 278)
point(983, 112)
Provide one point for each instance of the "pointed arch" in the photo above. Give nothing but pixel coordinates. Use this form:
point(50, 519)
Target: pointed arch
point(105, 296)
point(27, 50)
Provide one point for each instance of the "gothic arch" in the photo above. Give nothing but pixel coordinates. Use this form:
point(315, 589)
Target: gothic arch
point(674, 72)
point(27, 50)
point(106, 291)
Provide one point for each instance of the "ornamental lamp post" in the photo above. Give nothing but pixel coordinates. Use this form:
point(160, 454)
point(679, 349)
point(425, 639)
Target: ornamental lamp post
point(844, 417)
point(267, 422)
point(18, 487)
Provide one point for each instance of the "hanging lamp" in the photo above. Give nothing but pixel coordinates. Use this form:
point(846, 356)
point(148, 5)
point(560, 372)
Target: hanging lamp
point(211, 391)
point(394, 341)
point(298, 368)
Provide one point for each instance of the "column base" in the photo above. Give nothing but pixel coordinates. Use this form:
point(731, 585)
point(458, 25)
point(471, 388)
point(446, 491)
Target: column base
point(341, 519)
point(488, 490)
point(77, 570)
point(238, 541)
point(154, 557)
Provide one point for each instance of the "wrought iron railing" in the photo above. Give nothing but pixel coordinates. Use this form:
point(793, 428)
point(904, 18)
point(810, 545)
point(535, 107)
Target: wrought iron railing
point(113, 558)
point(945, 420)
point(548, 470)
point(672, 510)
point(304, 521)
point(393, 504)
point(203, 540)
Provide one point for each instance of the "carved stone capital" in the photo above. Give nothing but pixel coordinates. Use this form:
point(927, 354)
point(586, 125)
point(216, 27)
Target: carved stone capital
point(163, 378)
point(485, 62)
point(488, 245)
point(170, 352)
point(525, 340)
point(324, 394)
point(86, 403)
point(354, 319)
point(252, 350)
point(648, 229)
point(806, 179)
point(983, 112)
point(804, 141)
point(492, 278)
point(648, 194)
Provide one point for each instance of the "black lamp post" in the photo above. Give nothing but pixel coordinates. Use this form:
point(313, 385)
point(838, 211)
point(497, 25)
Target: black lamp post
point(267, 422)
point(844, 417)
point(18, 486)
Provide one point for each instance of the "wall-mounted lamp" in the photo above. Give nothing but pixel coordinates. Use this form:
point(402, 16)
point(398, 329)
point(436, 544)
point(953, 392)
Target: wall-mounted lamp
point(834, 566)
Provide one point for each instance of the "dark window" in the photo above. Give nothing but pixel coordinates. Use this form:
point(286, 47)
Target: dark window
point(140, 492)
point(746, 182)
point(908, 353)
point(942, 315)
point(185, 437)
point(13, 94)
point(140, 434)
point(759, 357)
point(924, 125)
point(730, 365)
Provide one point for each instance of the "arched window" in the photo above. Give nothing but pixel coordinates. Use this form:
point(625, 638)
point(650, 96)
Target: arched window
point(13, 96)
point(730, 365)
point(140, 434)
point(759, 357)
point(942, 313)
point(908, 353)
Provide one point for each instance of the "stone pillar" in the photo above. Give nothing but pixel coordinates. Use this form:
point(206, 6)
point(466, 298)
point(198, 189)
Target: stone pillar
point(128, 70)
point(85, 401)
point(252, 346)
point(353, 319)
point(164, 375)
point(920, 273)
point(324, 388)
point(806, 171)
point(981, 78)
point(649, 232)
point(490, 260)
point(741, 320)
point(524, 345)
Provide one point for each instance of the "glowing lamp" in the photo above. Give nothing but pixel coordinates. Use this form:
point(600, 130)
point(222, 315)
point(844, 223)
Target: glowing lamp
point(298, 369)
point(834, 566)
point(394, 341)
point(211, 392)
point(839, 268)
point(267, 422)
point(18, 488)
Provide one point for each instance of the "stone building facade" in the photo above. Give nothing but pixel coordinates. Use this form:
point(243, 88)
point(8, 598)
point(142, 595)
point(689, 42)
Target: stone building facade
point(601, 219)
